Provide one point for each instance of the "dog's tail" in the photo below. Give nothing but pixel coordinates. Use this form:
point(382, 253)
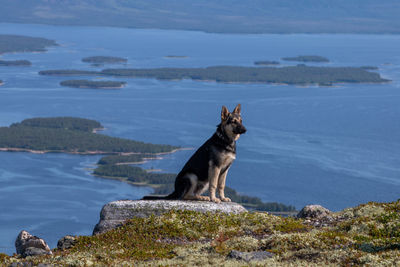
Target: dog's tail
point(172, 196)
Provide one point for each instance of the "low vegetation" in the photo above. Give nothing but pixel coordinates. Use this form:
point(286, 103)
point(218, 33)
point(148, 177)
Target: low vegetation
point(306, 59)
point(299, 75)
point(15, 63)
point(70, 135)
point(19, 43)
point(367, 235)
point(93, 84)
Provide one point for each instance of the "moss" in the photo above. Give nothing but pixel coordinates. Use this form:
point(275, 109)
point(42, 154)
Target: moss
point(364, 235)
point(3, 257)
point(291, 225)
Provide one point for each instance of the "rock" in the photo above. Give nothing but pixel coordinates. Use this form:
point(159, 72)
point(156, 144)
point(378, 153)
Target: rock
point(313, 212)
point(66, 242)
point(32, 251)
point(249, 256)
point(115, 213)
point(29, 245)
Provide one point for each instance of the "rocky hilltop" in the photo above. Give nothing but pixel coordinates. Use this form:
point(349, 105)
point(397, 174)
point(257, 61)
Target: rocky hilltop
point(181, 234)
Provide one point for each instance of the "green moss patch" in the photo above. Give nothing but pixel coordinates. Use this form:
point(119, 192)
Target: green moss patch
point(365, 235)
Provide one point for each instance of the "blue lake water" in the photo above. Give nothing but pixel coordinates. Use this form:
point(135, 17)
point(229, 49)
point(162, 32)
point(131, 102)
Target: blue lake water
point(337, 146)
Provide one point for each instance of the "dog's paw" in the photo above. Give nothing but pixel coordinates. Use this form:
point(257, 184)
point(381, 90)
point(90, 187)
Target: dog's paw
point(216, 200)
point(204, 198)
point(226, 199)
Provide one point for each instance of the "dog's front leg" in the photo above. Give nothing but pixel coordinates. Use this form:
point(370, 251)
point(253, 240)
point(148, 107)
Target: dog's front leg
point(213, 174)
point(221, 186)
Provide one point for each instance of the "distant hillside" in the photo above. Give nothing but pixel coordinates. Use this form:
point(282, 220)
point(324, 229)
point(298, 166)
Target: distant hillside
point(227, 16)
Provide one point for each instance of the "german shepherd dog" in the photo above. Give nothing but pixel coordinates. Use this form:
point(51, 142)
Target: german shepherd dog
point(209, 165)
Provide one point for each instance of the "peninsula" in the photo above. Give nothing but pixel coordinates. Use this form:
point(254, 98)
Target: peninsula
point(15, 63)
point(19, 43)
point(294, 75)
point(93, 84)
point(104, 60)
point(318, 59)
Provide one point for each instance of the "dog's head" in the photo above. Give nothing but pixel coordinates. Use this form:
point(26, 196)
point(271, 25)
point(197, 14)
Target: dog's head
point(231, 122)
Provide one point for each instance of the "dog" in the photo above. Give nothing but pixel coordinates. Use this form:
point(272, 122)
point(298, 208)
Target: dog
point(209, 165)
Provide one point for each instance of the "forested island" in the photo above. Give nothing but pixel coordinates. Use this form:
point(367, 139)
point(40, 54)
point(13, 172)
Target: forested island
point(295, 75)
point(307, 59)
point(116, 166)
point(69, 135)
point(104, 60)
point(93, 84)
point(69, 72)
point(266, 63)
point(15, 63)
point(19, 43)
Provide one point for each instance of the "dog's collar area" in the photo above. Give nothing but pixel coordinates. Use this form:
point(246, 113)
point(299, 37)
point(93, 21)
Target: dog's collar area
point(230, 144)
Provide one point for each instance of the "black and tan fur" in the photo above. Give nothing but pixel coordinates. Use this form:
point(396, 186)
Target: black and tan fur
point(209, 165)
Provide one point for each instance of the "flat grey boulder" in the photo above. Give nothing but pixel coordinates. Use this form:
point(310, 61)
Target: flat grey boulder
point(115, 213)
point(29, 245)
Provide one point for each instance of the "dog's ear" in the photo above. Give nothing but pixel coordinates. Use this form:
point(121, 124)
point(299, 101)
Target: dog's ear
point(237, 109)
point(224, 113)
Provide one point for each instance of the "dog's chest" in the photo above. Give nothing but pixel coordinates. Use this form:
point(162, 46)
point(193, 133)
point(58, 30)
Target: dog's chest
point(224, 159)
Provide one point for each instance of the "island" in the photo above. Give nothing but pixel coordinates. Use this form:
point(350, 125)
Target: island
point(1, 82)
point(294, 75)
point(69, 72)
point(69, 135)
point(15, 63)
point(19, 43)
point(266, 63)
point(99, 60)
point(119, 167)
point(318, 59)
point(93, 84)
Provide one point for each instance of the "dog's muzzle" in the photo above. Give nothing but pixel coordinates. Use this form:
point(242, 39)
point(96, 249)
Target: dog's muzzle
point(240, 130)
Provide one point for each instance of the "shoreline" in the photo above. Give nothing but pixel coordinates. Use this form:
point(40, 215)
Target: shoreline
point(95, 152)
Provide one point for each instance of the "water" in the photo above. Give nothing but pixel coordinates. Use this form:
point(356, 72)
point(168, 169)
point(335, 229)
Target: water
point(337, 147)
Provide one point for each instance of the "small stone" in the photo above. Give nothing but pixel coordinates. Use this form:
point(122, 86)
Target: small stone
point(29, 245)
point(314, 212)
point(250, 256)
point(66, 242)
